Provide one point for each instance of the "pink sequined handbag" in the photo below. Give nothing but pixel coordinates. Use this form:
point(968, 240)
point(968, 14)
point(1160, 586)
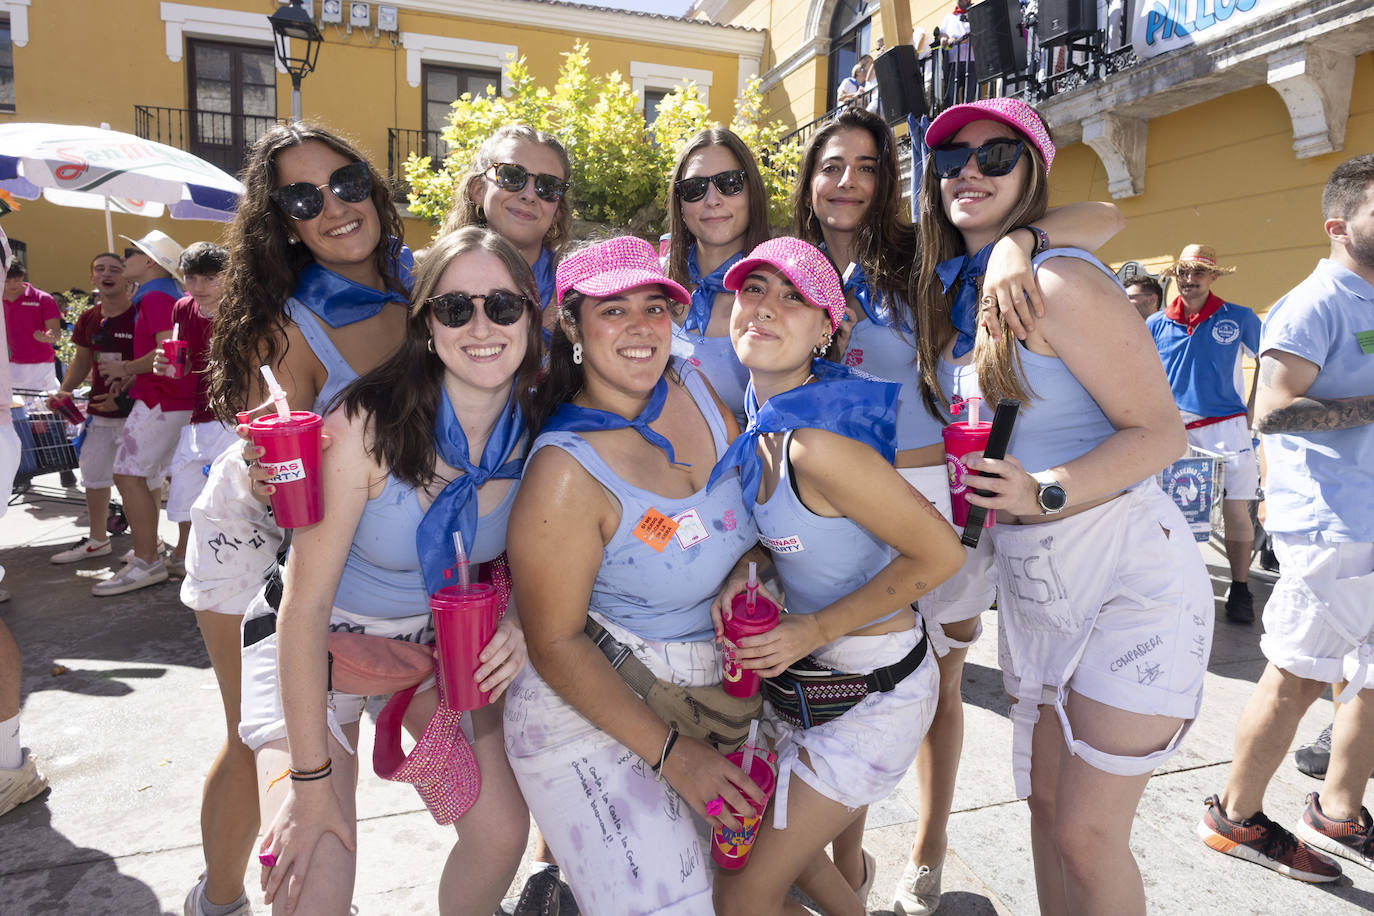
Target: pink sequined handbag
point(441, 766)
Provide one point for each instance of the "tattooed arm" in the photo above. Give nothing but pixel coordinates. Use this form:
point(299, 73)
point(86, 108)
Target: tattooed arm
point(1282, 405)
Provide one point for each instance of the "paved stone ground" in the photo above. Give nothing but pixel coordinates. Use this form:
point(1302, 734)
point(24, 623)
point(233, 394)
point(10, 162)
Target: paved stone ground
point(127, 732)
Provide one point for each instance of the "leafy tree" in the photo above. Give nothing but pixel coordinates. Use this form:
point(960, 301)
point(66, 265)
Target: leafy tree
point(620, 168)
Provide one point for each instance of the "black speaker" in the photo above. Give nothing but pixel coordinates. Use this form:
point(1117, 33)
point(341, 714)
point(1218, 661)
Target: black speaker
point(900, 86)
point(1061, 21)
point(999, 48)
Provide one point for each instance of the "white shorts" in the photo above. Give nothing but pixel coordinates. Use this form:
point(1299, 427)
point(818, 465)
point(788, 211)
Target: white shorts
point(147, 443)
point(1106, 604)
point(1320, 613)
point(628, 844)
point(233, 543)
point(859, 757)
point(1232, 439)
point(198, 445)
point(34, 376)
point(971, 590)
point(261, 716)
point(98, 451)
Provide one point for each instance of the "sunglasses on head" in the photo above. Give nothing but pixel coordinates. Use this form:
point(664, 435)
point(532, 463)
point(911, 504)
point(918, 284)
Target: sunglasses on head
point(996, 157)
point(729, 183)
point(511, 177)
point(456, 309)
point(302, 200)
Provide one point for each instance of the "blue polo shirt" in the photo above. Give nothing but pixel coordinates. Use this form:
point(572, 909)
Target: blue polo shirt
point(1203, 358)
point(1323, 481)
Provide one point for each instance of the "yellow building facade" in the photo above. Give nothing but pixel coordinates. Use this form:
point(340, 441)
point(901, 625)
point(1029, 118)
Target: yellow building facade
point(1221, 140)
point(159, 69)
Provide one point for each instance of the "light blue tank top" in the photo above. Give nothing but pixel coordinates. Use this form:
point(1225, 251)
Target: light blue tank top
point(715, 357)
point(890, 354)
point(340, 373)
point(1062, 421)
point(666, 596)
point(818, 559)
point(381, 577)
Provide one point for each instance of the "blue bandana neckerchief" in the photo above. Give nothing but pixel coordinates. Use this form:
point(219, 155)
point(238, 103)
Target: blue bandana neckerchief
point(543, 268)
point(338, 301)
point(706, 290)
point(455, 508)
point(842, 400)
point(572, 418)
point(964, 272)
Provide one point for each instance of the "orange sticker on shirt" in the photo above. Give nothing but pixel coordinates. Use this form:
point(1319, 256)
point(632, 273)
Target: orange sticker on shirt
point(655, 529)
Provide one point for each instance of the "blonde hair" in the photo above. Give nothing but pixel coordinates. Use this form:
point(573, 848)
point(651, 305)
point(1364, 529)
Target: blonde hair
point(466, 211)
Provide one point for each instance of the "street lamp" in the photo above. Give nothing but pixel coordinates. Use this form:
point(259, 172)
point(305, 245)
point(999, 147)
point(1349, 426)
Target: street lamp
point(294, 22)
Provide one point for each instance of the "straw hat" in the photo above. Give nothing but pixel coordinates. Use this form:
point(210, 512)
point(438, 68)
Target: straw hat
point(162, 248)
point(1204, 256)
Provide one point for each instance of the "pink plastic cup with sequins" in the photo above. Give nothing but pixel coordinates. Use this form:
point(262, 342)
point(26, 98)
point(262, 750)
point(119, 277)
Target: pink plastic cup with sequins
point(464, 622)
point(730, 849)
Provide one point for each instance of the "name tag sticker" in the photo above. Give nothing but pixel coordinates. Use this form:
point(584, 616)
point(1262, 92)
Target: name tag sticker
point(790, 544)
point(655, 529)
point(690, 529)
point(1366, 341)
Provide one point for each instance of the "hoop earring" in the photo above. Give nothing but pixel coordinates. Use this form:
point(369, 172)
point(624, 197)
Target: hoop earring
point(577, 354)
point(429, 344)
point(481, 216)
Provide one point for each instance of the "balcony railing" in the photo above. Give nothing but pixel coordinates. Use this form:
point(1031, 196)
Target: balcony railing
point(400, 144)
point(220, 138)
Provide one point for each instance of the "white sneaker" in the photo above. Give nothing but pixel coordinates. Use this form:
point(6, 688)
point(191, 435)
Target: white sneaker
point(135, 575)
point(870, 872)
point(193, 901)
point(918, 890)
point(21, 785)
point(176, 566)
point(84, 549)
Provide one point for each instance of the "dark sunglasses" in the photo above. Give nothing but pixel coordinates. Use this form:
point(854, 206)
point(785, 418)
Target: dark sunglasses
point(456, 309)
point(511, 177)
point(728, 183)
point(302, 200)
point(996, 157)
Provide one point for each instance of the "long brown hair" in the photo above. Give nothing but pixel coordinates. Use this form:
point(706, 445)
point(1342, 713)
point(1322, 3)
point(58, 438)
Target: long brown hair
point(401, 396)
point(467, 209)
point(264, 267)
point(886, 242)
point(998, 363)
point(682, 239)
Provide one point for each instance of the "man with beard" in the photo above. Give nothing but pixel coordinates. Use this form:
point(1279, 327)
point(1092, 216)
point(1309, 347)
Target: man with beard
point(1315, 408)
point(1202, 339)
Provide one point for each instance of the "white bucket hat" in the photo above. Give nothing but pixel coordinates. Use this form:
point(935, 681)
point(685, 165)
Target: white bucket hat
point(162, 248)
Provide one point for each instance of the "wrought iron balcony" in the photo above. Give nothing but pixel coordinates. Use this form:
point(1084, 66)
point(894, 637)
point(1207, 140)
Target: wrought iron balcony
point(400, 144)
point(220, 138)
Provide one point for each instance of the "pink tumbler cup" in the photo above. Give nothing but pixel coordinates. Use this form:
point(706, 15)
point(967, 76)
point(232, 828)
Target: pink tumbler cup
point(730, 848)
point(960, 440)
point(291, 452)
point(178, 353)
point(464, 622)
point(738, 681)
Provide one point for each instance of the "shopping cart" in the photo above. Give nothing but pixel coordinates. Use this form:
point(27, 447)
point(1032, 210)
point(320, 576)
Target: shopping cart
point(50, 443)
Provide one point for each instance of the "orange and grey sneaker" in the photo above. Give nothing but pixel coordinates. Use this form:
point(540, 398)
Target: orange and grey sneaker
point(1258, 839)
point(1352, 839)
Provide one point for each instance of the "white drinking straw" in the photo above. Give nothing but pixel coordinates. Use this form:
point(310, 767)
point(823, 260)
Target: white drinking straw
point(748, 764)
point(175, 328)
point(278, 395)
point(461, 554)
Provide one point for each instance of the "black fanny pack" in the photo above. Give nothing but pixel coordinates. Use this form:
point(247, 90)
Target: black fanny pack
point(808, 693)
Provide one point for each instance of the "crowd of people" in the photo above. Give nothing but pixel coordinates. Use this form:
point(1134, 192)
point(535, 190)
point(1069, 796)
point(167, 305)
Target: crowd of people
point(628, 445)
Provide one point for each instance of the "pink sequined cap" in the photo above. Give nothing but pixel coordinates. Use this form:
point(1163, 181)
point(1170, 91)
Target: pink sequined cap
point(1012, 112)
point(805, 265)
point(611, 267)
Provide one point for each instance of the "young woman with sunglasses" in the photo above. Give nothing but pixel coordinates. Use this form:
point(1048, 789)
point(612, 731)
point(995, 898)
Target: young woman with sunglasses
point(314, 262)
point(614, 531)
point(719, 210)
point(848, 201)
point(1104, 663)
point(517, 186)
point(428, 443)
point(854, 547)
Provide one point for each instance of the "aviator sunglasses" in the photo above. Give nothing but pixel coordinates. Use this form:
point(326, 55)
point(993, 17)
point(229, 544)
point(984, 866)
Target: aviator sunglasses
point(302, 200)
point(511, 177)
point(996, 157)
point(729, 183)
point(456, 309)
